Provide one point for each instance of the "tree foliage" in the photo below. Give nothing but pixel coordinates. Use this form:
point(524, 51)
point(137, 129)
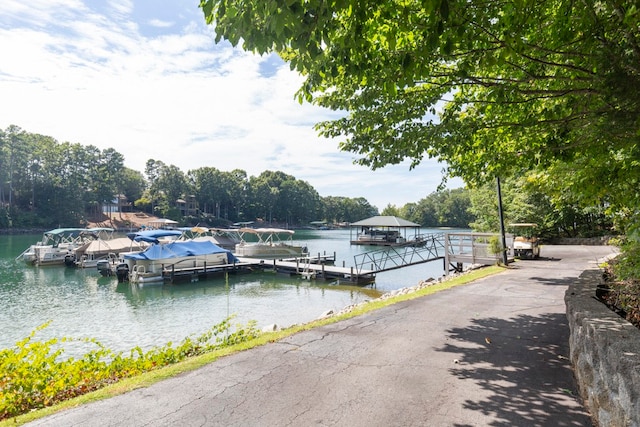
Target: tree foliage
point(525, 201)
point(36, 374)
point(53, 183)
point(45, 183)
point(445, 208)
point(346, 209)
point(491, 88)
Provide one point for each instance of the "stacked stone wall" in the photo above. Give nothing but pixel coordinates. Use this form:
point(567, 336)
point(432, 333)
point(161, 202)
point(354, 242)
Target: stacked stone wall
point(605, 354)
point(586, 241)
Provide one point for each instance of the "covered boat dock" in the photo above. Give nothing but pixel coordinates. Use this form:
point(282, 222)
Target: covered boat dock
point(385, 231)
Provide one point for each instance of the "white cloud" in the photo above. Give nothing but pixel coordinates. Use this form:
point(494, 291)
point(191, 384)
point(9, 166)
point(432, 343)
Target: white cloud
point(92, 77)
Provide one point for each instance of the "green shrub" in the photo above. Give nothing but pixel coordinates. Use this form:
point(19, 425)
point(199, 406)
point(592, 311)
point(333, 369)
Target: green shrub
point(34, 374)
point(627, 265)
point(495, 246)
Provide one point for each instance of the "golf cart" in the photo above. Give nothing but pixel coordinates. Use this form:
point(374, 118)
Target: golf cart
point(525, 243)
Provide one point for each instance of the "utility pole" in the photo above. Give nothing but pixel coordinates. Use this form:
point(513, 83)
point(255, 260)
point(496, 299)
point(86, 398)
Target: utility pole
point(502, 235)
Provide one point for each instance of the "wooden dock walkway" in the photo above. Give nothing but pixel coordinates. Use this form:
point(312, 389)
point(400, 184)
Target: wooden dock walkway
point(314, 268)
point(193, 274)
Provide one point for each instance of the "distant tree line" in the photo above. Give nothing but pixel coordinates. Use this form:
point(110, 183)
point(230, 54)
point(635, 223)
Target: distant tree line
point(45, 183)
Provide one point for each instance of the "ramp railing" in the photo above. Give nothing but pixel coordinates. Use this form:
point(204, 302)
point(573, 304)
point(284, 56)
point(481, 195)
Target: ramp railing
point(430, 247)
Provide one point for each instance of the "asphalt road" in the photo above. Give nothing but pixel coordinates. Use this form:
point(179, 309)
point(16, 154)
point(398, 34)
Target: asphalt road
point(490, 353)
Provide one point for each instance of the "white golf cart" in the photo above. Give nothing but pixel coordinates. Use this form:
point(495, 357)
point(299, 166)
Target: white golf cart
point(525, 243)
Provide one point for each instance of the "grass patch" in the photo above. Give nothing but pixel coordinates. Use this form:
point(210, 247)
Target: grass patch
point(194, 362)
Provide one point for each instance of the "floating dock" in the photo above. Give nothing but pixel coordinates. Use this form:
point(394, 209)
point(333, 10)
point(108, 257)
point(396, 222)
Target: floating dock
point(314, 268)
point(171, 274)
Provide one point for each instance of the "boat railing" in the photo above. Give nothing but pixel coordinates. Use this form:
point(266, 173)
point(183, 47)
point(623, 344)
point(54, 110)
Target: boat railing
point(19, 257)
point(140, 269)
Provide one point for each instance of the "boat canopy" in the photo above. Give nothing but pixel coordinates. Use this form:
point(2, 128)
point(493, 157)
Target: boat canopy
point(180, 249)
point(60, 235)
point(65, 231)
point(261, 231)
point(163, 223)
point(152, 236)
point(100, 229)
point(116, 245)
point(385, 221)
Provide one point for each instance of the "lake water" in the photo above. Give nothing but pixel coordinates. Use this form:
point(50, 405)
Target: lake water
point(80, 303)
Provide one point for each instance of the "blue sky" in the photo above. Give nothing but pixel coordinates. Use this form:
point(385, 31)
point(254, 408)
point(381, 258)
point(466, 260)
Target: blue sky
point(146, 78)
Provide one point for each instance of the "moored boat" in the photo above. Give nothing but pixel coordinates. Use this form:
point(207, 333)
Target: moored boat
point(89, 254)
point(386, 231)
point(134, 243)
point(55, 246)
point(271, 243)
point(177, 257)
point(226, 238)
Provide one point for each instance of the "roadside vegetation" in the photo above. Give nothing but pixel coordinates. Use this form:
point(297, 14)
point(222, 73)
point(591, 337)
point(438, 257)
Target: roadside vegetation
point(36, 374)
point(623, 282)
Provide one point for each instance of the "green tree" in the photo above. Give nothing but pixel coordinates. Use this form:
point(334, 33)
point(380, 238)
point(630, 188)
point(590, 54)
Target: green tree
point(525, 200)
point(208, 184)
point(517, 205)
point(105, 171)
point(492, 89)
point(132, 184)
point(444, 208)
point(167, 184)
point(299, 201)
point(339, 209)
point(390, 210)
point(236, 183)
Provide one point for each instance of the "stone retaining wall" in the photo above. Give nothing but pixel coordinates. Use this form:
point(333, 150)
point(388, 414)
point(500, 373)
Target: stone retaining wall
point(605, 354)
point(587, 241)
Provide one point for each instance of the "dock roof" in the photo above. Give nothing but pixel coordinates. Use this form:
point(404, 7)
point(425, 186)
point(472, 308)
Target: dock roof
point(385, 221)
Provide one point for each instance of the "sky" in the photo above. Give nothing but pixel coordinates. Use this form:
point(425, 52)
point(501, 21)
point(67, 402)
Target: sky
point(146, 78)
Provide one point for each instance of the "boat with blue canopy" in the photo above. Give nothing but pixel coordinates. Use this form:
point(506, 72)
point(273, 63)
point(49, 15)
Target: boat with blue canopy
point(151, 264)
point(154, 236)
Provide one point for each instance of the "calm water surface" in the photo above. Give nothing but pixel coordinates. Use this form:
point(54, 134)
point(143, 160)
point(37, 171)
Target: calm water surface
point(80, 303)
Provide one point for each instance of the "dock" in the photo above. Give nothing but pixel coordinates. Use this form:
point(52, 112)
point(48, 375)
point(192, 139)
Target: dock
point(320, 267)
point(452, 249)
point(171, 274)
